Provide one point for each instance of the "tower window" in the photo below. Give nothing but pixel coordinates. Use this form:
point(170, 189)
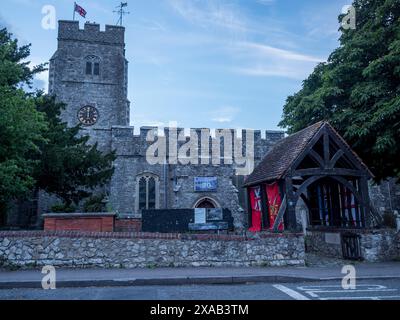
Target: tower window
point(92, 66)
point(96, 70)
point(88, 68)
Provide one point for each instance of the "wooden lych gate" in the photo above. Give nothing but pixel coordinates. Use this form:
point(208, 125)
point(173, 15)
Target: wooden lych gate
point(317, 166)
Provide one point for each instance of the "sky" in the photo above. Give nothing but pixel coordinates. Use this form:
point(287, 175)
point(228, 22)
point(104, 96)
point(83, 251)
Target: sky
point(200, 63)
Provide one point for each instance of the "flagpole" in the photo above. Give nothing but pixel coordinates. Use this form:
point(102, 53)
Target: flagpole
point(73, 17)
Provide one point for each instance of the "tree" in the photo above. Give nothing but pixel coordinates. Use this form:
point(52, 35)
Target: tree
point(14, 69)
point(21, 125)
point(38, 150)
point(358, 88)
point(68, 166)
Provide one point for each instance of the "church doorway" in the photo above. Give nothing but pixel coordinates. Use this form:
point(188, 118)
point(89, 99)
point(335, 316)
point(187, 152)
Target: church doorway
point(206, 203)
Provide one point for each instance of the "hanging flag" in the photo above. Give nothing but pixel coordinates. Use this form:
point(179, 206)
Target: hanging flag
point(255, 202)
point(82, 12)
point(274, 203)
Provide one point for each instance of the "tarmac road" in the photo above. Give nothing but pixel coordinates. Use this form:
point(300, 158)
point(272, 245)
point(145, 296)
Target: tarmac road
point(323, 290)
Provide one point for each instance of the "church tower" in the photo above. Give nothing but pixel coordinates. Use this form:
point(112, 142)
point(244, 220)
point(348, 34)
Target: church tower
point(89, 73)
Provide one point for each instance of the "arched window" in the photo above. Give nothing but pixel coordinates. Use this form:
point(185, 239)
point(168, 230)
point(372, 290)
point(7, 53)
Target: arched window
point(147, 190)
point(92, 65)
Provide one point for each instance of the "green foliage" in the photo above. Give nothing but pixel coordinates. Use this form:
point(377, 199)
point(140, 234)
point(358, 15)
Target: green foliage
point(21, 125)
point(38, 150)
point(14, 69)
point(68, 165)
point(95, 204)
point(62, 208)
point(358, 89)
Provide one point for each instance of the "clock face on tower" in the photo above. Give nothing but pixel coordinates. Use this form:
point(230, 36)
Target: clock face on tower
point(88, 115)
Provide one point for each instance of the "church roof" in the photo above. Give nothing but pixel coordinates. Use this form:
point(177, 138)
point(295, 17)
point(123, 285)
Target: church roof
point(280, 158)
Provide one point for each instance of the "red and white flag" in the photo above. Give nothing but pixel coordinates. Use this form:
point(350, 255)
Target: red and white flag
point(82, 12)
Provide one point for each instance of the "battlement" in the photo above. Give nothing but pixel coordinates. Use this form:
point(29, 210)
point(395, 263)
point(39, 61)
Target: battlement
point(270, 135)
point(126, 142)
point(69, 30)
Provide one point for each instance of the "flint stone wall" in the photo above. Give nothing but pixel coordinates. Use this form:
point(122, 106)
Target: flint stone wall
point(138, 250)
point(376, 245)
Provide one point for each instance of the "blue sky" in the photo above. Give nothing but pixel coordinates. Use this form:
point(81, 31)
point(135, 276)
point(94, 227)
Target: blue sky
point(201, 63)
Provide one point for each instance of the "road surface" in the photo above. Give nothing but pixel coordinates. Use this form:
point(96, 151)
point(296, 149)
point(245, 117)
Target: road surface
point(324, 290)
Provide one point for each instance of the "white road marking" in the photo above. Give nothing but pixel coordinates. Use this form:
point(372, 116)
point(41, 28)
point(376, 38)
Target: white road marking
point(291, 293)
point(316, 291)
point(361, 298)
point(317, 288)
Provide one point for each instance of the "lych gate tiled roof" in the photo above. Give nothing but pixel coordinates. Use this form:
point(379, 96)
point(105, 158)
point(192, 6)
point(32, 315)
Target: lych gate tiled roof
point(280, 158)
point(282, 155)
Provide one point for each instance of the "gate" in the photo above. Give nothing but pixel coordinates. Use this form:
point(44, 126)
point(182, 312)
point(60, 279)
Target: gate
point(351, 246)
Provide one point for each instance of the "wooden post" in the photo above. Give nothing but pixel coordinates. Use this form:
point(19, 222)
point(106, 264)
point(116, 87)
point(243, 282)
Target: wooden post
point(365, 212)
point(249, 209)
point(291, 205)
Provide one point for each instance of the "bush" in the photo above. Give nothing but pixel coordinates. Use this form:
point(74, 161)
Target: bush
point(95, 204)
point(389, 220)
point(63, 208)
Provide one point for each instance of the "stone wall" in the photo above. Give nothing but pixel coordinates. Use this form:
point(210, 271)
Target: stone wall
point(385, 196)
point(376, 245)
point(131, 250)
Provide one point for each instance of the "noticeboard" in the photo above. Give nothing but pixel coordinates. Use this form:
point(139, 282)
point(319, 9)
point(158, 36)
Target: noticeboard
point(205, 184)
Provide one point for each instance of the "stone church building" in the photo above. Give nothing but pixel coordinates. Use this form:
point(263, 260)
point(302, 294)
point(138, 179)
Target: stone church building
point(89, 72)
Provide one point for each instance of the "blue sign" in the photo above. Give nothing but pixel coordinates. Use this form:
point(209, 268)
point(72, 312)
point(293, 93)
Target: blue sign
point(204, 184)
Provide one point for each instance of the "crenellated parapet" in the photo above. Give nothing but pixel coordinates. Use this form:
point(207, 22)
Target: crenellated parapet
point(69, 30)
point(204, 143)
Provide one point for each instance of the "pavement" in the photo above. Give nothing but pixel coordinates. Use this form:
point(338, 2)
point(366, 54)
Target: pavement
point(81, 278)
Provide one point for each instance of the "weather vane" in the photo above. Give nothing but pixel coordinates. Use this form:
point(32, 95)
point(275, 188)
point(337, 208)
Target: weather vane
point(121, 11)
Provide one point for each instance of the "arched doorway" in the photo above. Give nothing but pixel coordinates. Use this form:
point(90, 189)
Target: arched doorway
point(206, 203)
point(332, 201)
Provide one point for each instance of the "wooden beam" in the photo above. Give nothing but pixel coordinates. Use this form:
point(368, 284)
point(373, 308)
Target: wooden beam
point(326, 147)
point(328, 172)
point(317, 158)
point(249, 209)
point(365, 216)
point(311, 144)
point(279, 217)
point(305, 185)
point(291, 205)
point(335, 158)
point(346, 150)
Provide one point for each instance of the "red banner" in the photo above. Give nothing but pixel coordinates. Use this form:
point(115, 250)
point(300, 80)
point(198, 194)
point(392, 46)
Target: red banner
point(274, 203)
point(255, 202)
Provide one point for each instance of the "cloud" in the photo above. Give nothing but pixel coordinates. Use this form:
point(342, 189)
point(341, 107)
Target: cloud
point(260, 60)
point(224, 114)
point(208, 13)
point(273, 52)
point(266, 2)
